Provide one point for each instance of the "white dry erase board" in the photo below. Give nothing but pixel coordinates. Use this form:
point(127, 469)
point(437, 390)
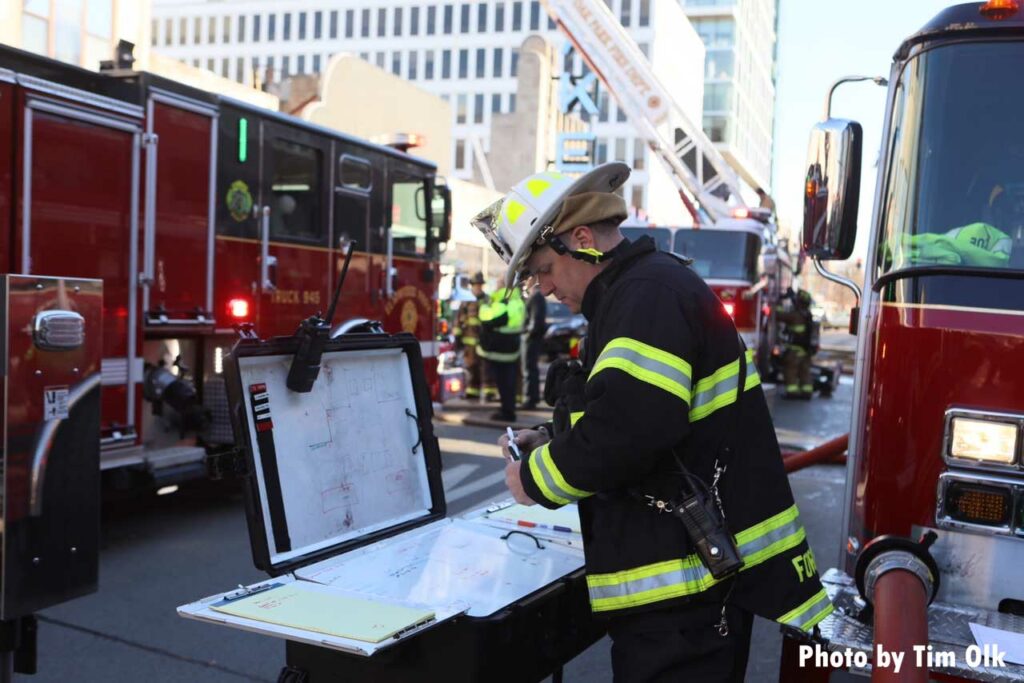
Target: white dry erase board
point(449, 562)
point(347, 455)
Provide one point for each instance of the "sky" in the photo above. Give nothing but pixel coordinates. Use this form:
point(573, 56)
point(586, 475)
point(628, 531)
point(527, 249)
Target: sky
point(819, 42)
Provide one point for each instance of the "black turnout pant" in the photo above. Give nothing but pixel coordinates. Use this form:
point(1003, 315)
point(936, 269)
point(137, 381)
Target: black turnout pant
point(505, 378)
point(681, 645)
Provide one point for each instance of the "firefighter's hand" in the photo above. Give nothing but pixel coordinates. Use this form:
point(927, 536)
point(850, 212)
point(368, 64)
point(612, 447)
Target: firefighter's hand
point(526, 439)
point(515, 483)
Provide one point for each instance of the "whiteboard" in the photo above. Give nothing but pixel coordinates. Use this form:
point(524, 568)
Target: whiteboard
point(346, 452)
point(447, 563)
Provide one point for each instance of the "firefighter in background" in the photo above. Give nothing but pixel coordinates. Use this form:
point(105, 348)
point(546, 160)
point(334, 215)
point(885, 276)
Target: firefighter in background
point(501, 322)
point(796, 361)
point(467, 338)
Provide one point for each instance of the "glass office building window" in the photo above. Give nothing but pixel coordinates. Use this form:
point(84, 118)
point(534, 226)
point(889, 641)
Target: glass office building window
point(396, 63)
point(461, 102)
point(382, 22)
point(717, 97)
point(534, 15)
point(715, 32)
point(463, 63)
point(499, 54)
point(517, 16)
point(481, 62)
point(448, 11)
point(499, 17)
point(397, 22)
point(414, 59)
point(478, 108)
point(645, 13)
point(431, 20)
point(464, 18)
point(481, 17)
point(718, 65)
point(496, 103)
point(364, 25)
point(350, 23)
point(446, 64)
point(414, 21)
point(428, 65)
point(286, 26)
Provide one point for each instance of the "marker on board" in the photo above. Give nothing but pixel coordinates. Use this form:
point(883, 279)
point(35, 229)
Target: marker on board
point(512, 446)
point(538, 525)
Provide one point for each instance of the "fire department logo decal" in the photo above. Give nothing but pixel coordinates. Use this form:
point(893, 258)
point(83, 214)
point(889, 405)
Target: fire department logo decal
point(239, 201)
point(409, 316)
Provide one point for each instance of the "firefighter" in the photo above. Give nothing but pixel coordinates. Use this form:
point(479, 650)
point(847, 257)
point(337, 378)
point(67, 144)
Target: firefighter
point(536, 326)
point(467, 337)
point(660, 374)
point(501, 321)
point(796, 360)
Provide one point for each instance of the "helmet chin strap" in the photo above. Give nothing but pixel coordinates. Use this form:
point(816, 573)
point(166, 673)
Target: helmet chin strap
point(589, 255)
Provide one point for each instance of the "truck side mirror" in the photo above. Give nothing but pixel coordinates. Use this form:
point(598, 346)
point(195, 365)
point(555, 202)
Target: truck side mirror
point(832, 189)
point(441, 206)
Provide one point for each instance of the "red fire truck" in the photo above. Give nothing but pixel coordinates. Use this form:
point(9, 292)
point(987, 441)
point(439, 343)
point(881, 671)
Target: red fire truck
point(745, 265)
point(199, 213)
point(933, 533)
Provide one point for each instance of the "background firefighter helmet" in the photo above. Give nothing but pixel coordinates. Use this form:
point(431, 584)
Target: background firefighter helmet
point(477, 279)
point(524, 218)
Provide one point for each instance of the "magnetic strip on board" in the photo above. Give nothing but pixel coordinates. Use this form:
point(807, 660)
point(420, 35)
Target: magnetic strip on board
point(264, 424)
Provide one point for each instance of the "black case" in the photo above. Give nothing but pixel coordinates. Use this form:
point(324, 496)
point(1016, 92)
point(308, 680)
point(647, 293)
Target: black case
point(526, 641)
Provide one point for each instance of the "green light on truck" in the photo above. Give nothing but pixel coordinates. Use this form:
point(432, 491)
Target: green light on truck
point(243, 140)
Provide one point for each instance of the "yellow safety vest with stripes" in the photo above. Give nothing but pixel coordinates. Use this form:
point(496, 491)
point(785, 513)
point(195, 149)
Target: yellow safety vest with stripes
point(664, 369)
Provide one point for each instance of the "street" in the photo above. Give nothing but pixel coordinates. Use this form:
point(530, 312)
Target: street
point(161, 552)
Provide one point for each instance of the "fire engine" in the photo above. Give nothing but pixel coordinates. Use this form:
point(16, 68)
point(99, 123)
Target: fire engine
point(200, 213)
point(933, 529)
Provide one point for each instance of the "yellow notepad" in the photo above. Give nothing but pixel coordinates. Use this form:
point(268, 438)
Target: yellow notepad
point(317, 608)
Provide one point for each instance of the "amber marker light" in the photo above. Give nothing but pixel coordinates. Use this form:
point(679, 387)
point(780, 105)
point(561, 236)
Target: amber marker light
point(999, 9)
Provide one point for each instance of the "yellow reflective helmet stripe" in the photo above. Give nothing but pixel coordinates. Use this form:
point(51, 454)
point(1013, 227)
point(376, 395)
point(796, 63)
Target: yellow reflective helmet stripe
point(537, 186)
point(513, 210)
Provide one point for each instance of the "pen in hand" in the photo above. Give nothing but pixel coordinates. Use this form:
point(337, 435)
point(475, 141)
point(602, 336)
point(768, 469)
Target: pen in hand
point(513, 448)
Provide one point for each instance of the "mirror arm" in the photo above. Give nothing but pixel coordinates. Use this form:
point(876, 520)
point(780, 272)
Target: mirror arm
point(878, 80)
point(838, 279)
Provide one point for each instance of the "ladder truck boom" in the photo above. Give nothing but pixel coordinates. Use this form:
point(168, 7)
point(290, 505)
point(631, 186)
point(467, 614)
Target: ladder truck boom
point(697, 169)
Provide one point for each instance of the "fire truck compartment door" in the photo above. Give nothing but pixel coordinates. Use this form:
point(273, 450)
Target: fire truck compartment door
point(177, 281)
point(81, 219)
point(51, 342)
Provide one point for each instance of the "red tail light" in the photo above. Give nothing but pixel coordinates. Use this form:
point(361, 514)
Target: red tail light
point(730, 308)
point(238, 308)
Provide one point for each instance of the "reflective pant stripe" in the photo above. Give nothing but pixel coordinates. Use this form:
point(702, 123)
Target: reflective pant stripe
point(647, 364)
point(549, 479)
point(719, 390)
point(808, 614)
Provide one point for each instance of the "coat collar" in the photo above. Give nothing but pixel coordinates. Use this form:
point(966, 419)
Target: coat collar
point(600, 284)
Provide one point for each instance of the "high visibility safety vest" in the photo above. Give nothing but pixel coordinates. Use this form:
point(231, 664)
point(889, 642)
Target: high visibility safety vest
point(977, 244)
point(467, 322)
point(661, 366)
point(502, 324)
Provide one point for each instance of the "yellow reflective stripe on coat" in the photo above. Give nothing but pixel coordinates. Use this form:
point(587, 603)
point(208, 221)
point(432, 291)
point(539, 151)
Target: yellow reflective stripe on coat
point(550, 480)
point(688, 576)
point(807, 615)
point(575, 417)
point(719, 389)
point(647, 364)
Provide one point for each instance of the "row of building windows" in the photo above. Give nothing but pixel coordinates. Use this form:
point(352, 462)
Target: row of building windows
point(364, 23)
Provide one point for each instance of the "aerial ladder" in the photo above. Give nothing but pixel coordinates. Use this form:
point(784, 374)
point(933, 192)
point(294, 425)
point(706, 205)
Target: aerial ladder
point(706, 182)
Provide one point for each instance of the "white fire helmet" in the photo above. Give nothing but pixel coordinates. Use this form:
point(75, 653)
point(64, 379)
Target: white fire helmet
point(522, 219)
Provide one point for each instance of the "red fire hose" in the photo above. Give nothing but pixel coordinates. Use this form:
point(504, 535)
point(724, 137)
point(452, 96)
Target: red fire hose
point(828, 452)
point(898, 577)
point(901, 621)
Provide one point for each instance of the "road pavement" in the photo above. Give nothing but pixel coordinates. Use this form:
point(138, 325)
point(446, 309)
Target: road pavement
point(160, 552)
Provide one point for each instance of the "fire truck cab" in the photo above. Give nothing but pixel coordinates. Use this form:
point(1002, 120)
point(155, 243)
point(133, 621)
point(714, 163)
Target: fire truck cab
point(200, 213)
point(933, 532)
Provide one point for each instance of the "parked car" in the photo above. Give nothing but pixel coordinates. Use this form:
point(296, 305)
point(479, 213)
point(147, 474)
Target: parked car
point(564, 328)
